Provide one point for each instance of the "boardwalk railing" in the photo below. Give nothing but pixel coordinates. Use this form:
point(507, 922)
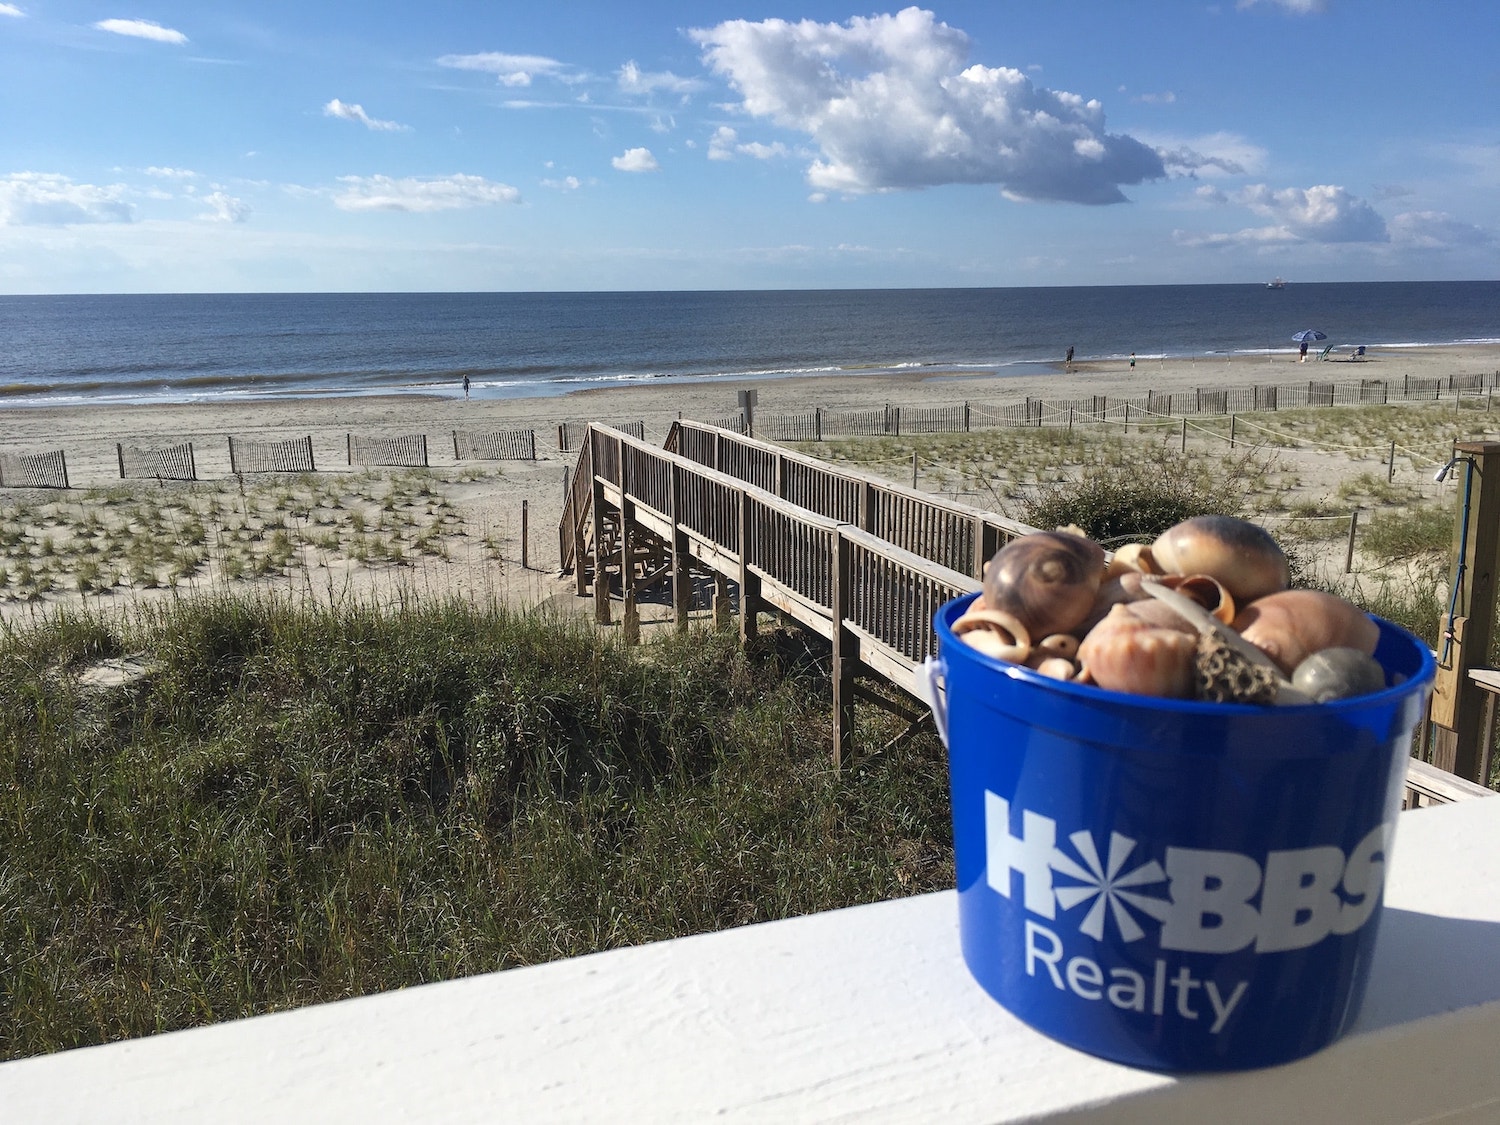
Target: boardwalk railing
point(946, 532)
point(873, 599)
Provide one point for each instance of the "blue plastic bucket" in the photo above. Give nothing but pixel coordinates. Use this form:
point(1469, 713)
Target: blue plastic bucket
point(1171, 884)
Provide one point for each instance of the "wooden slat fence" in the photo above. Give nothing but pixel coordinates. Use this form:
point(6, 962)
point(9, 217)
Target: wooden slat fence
point(171, 462)
point(569, 434)
point(292, 456)
point(494, 445)
point(408, 450)
point(48, 469)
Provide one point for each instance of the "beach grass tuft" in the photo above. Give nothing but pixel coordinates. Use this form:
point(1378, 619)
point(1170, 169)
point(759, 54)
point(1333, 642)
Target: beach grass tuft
point(293, 804)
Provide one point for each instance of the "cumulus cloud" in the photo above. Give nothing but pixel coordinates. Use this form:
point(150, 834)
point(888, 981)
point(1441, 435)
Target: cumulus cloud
point(636, 160)
point(1323, 213)
point(225, 208)
point(142, 29)
point(355, 112)
point(509, 70)
point(43, 199)
point(892, 103)
point(11, 10)
point(725, 145)
point(634, 80)
point(162, 173)
point(567, 183)
point(448, 193)
point(1435, 230)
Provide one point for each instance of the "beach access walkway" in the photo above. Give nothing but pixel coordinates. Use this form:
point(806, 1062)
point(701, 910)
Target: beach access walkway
point(859, 560)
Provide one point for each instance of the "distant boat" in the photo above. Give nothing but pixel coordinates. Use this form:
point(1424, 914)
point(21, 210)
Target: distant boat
point(1278, 283)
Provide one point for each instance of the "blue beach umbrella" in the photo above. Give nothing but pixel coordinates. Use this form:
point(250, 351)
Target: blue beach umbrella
point(1308, 335)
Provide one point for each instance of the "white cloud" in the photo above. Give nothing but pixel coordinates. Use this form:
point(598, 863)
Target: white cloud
point(43, 199)
point(11, 10)
point(225, 208)
point(1296, 7)
point(355, 112)
point(892, 103)
point(449, 193)
point(1209, 155)
point(142, 29)
point(1435, 230)
point(725, 144)
point(1325, 213)
point(636, 160)
point(509, 70)
point(567, 183)
point(634, 80)
point(171, 173)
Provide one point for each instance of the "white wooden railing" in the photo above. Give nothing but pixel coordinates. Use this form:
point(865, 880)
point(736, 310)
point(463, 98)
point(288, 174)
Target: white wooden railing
point(865, 1014)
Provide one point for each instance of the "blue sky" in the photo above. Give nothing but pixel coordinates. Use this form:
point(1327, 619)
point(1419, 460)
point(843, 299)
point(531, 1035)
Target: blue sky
point(169, 146)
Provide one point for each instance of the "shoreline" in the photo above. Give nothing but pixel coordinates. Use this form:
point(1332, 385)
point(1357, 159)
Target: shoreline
point(507, 511)
point(87, 433)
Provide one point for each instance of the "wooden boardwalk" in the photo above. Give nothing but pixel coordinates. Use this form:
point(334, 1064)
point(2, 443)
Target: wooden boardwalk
point(861, 561)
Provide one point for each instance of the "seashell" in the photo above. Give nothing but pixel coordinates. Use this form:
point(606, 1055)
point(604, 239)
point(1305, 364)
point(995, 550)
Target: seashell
point(1054, 667)
point(1240, 554)
point(1116, 591)
point(1048, 580)
point(993, 632)
point(1132, 558)
point(1059, 644)
point(1291, 625)
point(1126, 653)
point(1227, 668)
point(1338, 673)
point(1207, 591)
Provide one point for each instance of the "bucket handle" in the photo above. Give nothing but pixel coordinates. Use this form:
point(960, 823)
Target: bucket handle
point(931, 684)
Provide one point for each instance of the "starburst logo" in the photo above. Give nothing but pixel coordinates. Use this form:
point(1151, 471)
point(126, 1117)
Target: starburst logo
point(1108, 886)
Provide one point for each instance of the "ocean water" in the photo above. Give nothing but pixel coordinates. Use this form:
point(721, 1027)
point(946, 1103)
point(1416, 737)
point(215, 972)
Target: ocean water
point(182, 348)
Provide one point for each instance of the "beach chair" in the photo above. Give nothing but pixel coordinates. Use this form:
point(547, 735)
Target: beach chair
point(1324, 353)
point(1358, 355)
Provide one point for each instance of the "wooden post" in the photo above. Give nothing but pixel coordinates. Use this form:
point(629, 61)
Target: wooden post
point(1184, 435)
point(601, 566)
point(681, 587)
point(749, 582)
point(1231, 430)
point(914, 469)
point(1468, 628)
point(630, 620)
point(1127, 417)
point(1390, 473)
point(845, 650)
point(525, 536)
point(1349, 554)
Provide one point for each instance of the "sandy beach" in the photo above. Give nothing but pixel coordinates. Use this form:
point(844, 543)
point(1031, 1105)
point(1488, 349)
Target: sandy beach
point(480, 526)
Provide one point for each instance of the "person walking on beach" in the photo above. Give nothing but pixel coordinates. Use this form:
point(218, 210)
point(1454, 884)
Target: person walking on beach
point(1302, 353)
point(466, 386)
point(1068, 359)
point(1132, 361)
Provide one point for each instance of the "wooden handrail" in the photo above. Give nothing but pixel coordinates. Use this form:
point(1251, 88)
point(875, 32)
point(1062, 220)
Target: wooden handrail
point(872, 598)
point(957, 535)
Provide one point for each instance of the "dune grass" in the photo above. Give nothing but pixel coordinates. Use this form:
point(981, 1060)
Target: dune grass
point(301, 804)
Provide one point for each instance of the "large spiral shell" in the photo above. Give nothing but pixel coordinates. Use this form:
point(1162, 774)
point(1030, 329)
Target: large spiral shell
point(1048, 580)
